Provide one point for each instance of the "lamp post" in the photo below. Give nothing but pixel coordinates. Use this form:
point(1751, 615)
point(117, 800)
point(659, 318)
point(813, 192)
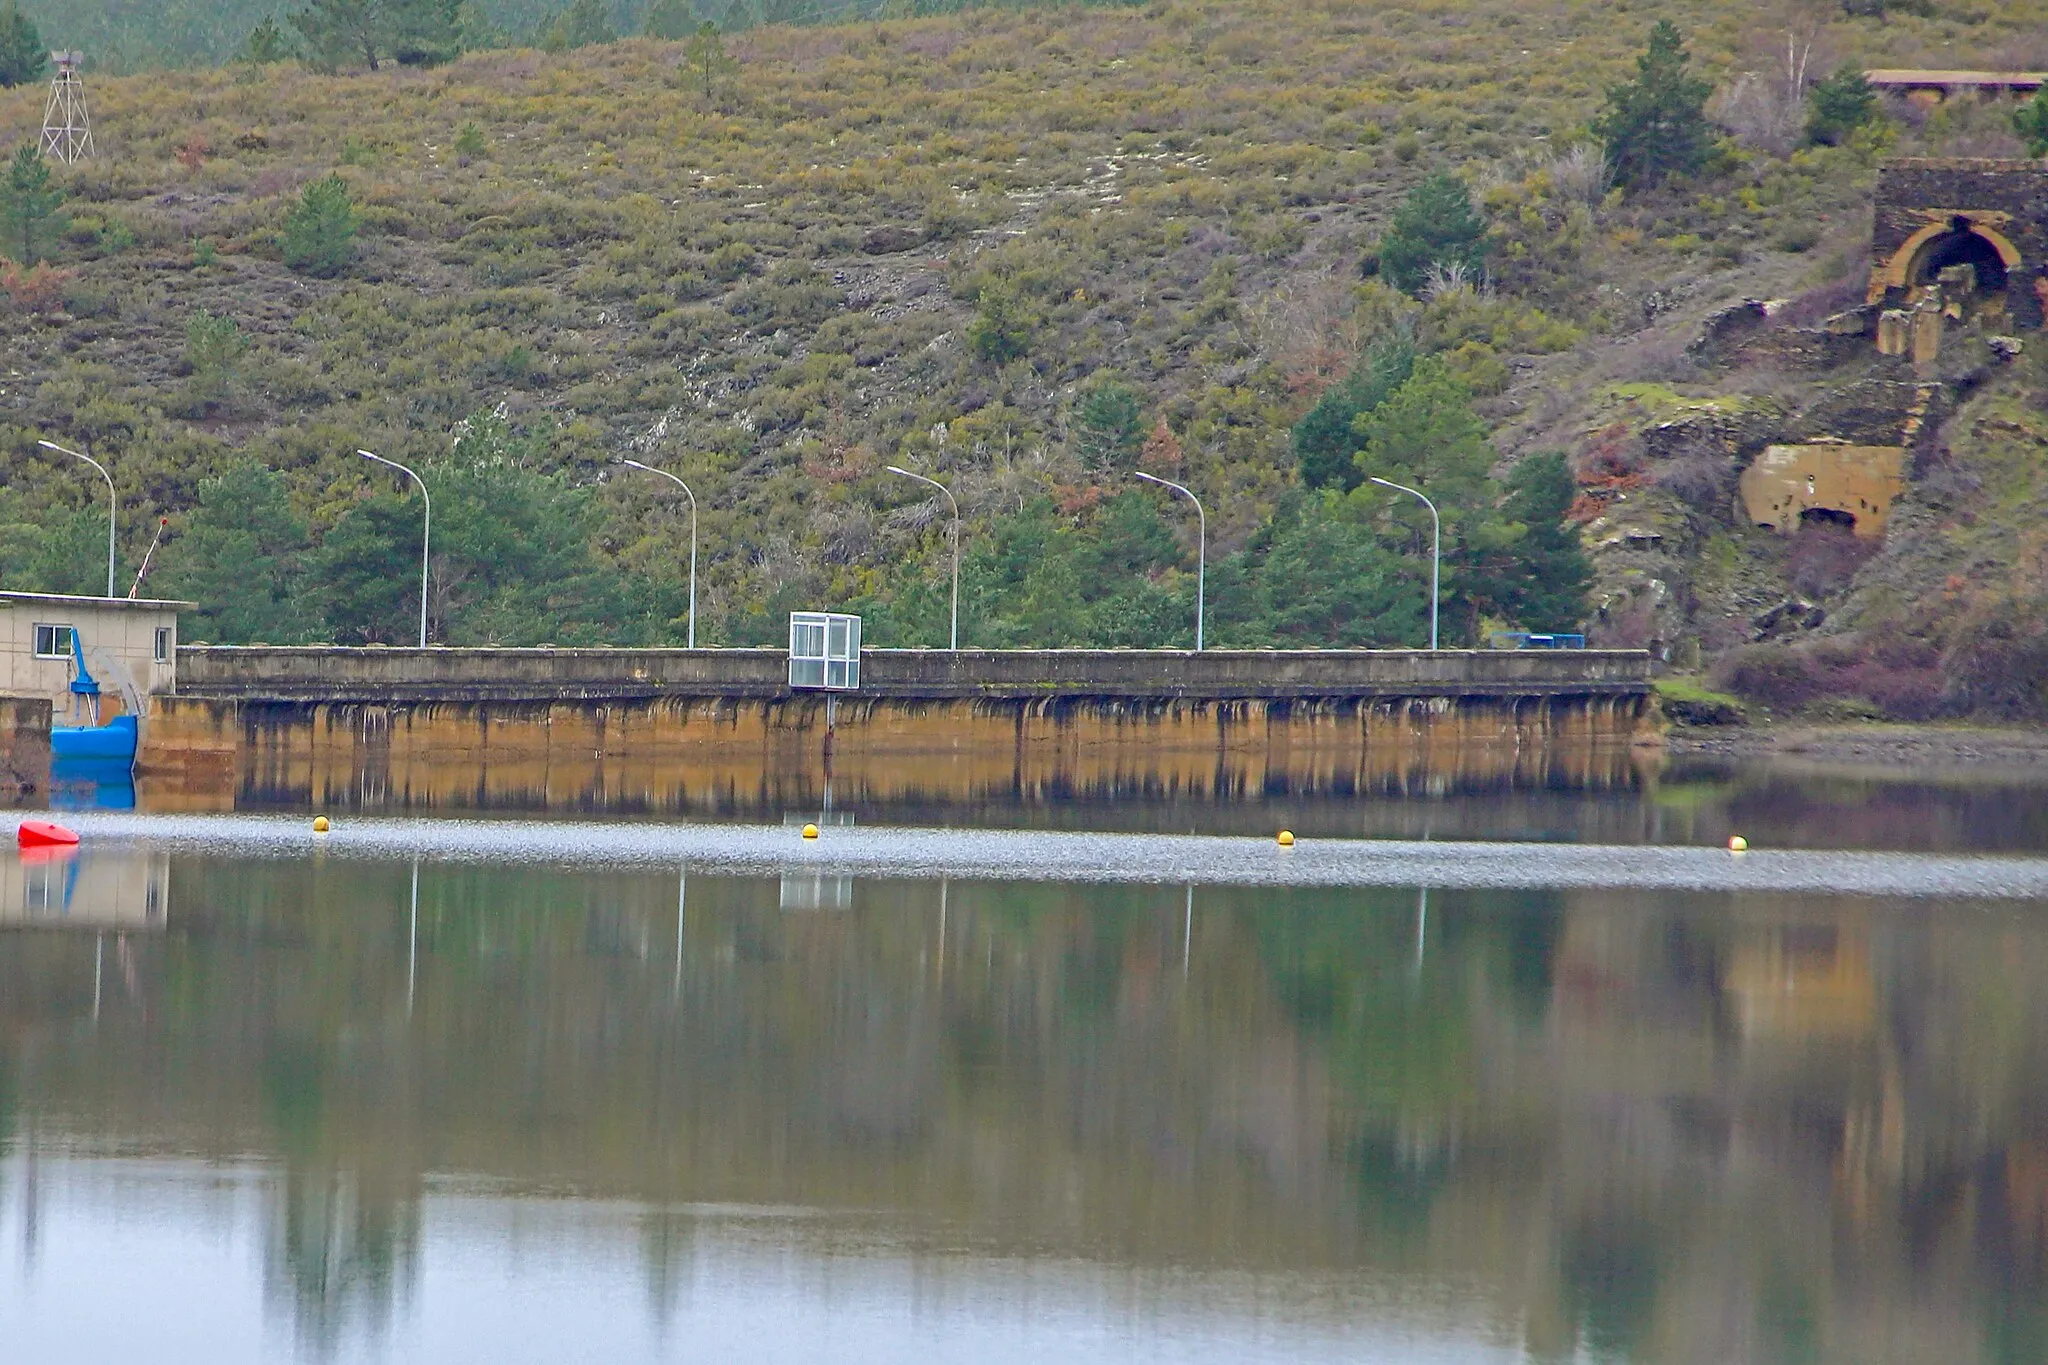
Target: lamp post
point(1436, 544)
point(648, 468)
point(1201, 547)
point(426, 532)
point(66, 450)
point(954, 638)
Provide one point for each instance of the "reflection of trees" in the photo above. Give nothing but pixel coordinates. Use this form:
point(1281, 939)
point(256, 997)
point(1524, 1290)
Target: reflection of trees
point(1661, 1127)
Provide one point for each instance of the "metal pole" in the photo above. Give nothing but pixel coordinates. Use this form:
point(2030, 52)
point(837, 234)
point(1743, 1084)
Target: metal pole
point(1201, 547)
point(1436, 549)
point(693, 537)
point(954, 636)
point(426, 533)
point(111, 501)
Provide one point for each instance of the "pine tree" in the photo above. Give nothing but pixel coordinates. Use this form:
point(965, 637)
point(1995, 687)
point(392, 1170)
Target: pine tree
point(706, 60)
point(1656, 125)
point(1436, 225)
point(671, 19)
point(1326, 438)
point(266, 44)
point(1839, 105)
point(22, 54)
point(424, 32)
point(340, 31)
point(583, 24)
point(31, 201)
point(320, 232)
point(1538, 581)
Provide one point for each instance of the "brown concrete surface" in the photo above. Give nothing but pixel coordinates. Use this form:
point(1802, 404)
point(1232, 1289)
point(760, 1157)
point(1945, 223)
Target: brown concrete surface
point(24, 746)
point(729, 754)
point(1861, 481)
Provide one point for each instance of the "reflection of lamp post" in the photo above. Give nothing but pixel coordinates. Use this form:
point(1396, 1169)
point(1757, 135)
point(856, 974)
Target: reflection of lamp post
point(693, 537)
point(426, 534)
point(1201, 545)
point(897, 469)
point(65, 450)
point(1436, 542)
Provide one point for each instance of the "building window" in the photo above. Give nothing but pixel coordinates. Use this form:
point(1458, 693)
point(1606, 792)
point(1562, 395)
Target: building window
point(53, 642)
point(162, 652)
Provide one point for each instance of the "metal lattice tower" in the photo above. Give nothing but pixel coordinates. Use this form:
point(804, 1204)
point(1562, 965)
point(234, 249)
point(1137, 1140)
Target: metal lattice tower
point(67, 128)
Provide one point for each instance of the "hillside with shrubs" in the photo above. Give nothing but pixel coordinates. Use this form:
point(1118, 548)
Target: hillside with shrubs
point(1271, 251)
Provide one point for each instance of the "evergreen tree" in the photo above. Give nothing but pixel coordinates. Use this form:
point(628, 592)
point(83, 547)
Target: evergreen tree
point(1538, 580)
point(365, 576)
point(1109, 426)
point(320, 231)
point(1656, 125)
point(266, 45)
point(1839, 105)
point(672, 19)
point(31, 202)
point(425, 32)
point(340, 31)
point(1329, 583)
point(1427, 437)
point(23, 57)
point(1326, 437)
point(706, 61)
point(1436, 225)
point(584, 24)
point(242, 559)
point(2030, 122)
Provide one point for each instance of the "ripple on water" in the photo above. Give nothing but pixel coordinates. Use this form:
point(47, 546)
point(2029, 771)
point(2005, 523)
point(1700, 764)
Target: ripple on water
point(1043, 855)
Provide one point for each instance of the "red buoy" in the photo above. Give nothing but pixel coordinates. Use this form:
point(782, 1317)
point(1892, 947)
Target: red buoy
point(43, 834)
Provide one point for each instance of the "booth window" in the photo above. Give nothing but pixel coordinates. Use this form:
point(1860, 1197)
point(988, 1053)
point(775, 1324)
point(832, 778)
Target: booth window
point(824, 650)
point(162, 653)
point(53, 642)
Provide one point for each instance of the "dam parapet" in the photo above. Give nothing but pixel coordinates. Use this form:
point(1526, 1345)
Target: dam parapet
point(694, 731)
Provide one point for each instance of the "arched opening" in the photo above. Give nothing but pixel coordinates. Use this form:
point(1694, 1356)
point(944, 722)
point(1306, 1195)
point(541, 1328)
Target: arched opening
point(1962, 245)
point(1832, 517)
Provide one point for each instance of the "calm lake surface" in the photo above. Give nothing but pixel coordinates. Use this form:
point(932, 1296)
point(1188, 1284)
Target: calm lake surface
point(507, 1090)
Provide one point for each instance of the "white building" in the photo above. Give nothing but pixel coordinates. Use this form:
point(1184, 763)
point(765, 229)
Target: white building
point(129, 650)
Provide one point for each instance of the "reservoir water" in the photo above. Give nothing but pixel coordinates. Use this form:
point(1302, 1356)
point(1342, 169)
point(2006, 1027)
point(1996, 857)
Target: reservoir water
point(1483, 1076)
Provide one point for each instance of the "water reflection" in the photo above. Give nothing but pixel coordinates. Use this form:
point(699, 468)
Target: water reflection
point(992, 1121)
point(1646, 799)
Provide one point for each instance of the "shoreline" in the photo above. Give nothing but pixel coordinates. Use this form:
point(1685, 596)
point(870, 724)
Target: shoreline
point(1930, 745)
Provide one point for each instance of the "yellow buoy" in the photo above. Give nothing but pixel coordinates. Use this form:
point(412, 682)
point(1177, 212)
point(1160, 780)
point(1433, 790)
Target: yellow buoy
point(810, 831)
point(1287, 838)
point(1737, 844)
point(319, 824)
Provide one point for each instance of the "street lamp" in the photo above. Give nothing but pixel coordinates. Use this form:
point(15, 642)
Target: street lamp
point(65, 450)
point(1436, 544)
point(426, 533)
point(1201, 546)
point(693, 537)
point(897, 469)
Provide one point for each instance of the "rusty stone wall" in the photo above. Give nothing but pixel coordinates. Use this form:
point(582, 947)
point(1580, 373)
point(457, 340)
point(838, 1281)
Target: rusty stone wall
point(711, 754)
point(2005, 197)
point(24, 747)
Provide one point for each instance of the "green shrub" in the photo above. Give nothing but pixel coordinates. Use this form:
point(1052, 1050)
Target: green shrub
point(320, 232)
point(1002, 325)
point(1436, 226)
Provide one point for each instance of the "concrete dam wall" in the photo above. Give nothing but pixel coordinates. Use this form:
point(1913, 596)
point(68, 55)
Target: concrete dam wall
point(719, 731)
